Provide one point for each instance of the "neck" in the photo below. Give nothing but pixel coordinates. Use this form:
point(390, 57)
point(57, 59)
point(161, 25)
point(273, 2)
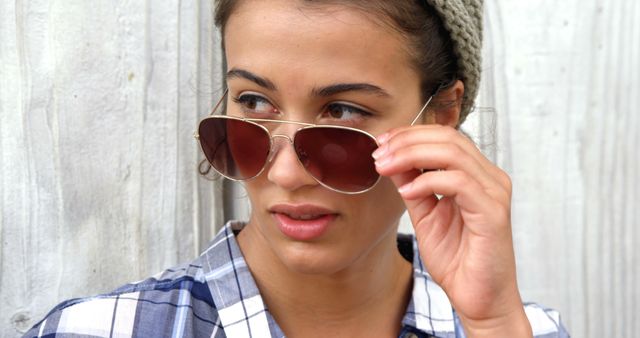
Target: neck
point(373, 289)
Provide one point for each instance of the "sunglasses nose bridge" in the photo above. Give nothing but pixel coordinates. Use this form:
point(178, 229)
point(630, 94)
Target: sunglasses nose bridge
point(275, 147)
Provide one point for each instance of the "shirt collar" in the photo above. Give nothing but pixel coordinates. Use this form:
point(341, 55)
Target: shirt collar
point(242, 312)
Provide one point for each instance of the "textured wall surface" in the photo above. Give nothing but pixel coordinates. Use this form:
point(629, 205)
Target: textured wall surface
point(98, 184)
point(99, 100)
point(564, 78)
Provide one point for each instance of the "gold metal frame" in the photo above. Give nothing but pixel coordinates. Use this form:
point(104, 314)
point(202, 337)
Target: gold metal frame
point(290, 139)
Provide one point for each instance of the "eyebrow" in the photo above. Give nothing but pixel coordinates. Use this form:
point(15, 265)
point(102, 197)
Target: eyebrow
point(241, 73)
point(349, 87)
point(319, 92)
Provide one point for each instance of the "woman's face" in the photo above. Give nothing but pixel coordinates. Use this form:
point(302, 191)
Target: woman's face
point(326, 64)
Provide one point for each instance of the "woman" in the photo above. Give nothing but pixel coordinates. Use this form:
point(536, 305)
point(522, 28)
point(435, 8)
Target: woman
point(320, 255)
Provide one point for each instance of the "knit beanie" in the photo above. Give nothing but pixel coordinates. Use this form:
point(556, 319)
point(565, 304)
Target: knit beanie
point(463, 20)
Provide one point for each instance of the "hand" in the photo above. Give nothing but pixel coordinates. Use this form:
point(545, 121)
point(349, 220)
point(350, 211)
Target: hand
point(464, 238)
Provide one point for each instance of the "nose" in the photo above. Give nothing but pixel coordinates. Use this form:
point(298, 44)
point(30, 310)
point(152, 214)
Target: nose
point(285, 170)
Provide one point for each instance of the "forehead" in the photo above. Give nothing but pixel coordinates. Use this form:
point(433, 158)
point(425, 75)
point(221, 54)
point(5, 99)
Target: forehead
point(299, 45)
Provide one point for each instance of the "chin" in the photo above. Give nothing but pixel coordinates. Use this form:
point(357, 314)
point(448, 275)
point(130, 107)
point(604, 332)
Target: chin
point(313, 259)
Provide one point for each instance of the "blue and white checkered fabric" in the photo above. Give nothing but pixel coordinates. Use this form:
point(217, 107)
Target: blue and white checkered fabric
point(216, 296)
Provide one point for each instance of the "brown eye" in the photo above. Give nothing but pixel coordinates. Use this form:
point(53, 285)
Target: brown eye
point(251, 103)
point(335, 111)
point(341, 111)
point(254, 104)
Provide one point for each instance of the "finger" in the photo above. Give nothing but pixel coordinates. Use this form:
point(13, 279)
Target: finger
point(446, 156)
point(424, 204)
point(402, 137)
point(476, 204)
point(430, 133)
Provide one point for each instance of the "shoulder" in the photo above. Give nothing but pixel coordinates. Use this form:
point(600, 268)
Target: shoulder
point(176, 301)
point(203, 298)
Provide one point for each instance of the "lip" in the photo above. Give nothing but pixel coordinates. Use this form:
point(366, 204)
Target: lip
point(292, 222)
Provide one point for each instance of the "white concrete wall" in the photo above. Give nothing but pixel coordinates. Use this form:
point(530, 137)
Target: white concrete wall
point(98, 184)
point(99, 99)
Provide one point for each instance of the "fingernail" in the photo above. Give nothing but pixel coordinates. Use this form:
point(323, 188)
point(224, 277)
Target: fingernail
point(383, 138)
point(405, 188)
point(380, 151)
point(383, 161)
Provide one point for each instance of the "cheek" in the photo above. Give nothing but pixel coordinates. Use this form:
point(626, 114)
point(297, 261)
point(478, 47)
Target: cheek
point(253, 192)
point(383, 207)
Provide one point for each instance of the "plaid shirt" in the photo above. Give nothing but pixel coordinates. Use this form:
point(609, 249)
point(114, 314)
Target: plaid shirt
point(216, 296)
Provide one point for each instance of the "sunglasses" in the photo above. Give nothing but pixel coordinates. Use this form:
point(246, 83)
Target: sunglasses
point(337, 157)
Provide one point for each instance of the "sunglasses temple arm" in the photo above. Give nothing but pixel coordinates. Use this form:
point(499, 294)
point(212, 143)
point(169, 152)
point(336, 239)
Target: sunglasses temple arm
point(215, 108)
point(421, 111)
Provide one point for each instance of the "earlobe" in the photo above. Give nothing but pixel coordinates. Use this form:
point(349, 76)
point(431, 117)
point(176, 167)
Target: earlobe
point(447, 105)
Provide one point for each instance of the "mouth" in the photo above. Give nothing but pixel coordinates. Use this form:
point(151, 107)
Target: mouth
point(301, 211)
point(304, 222)
point(304, 217)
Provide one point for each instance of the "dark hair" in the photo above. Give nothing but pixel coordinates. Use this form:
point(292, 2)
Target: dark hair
point(428, 43)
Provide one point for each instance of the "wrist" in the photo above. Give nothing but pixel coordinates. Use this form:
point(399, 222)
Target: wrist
point(514, 324)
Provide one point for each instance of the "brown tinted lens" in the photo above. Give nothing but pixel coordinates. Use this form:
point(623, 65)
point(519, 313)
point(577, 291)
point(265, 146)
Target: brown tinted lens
point(235, 148)
point(339, 158)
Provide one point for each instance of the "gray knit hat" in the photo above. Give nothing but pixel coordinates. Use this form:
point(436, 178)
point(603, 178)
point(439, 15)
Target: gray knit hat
point(463, 21)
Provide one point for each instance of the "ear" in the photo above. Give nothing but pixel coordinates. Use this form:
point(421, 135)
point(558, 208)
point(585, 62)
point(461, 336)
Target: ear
point(447, 105)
